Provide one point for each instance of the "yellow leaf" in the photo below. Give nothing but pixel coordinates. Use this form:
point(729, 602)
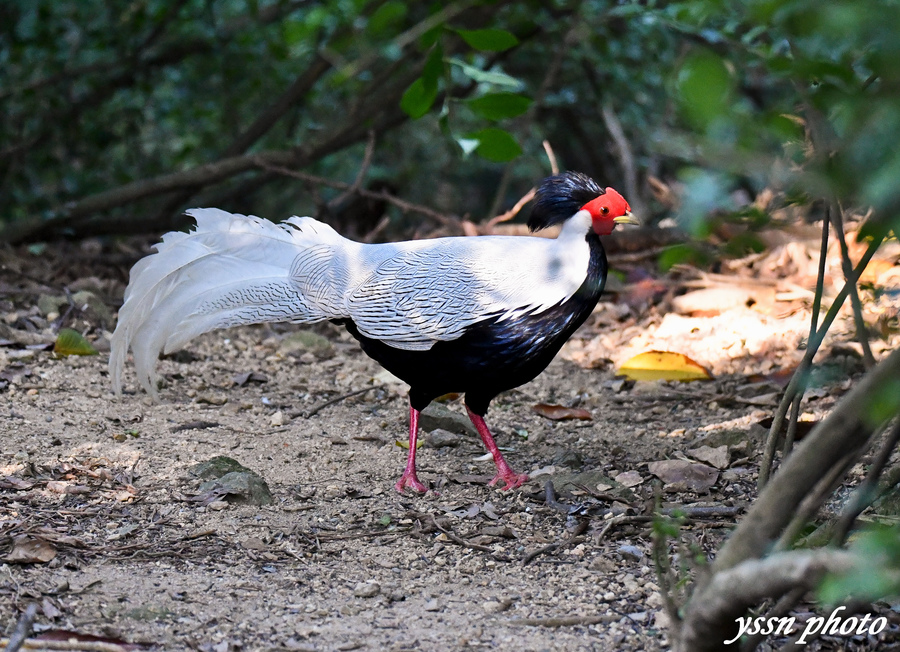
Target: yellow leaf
point(71, 342)
point(405, 444)
point(663, 365)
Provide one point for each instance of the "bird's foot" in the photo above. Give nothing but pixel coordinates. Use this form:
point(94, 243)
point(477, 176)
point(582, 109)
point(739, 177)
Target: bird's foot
point(512, 479)
point(410, 480)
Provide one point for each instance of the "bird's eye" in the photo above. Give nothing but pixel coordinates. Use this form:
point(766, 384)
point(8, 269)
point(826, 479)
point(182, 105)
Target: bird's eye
point(604, 210)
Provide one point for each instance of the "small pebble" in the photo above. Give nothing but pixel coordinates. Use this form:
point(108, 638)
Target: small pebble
point(277, 419)
point(440, 438)
point(367, 590)
point(631, 551)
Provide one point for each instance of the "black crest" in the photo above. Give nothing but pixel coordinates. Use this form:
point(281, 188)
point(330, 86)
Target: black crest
point(560, 197)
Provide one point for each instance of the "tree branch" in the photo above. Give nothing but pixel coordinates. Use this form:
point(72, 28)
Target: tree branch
point(712, 617)
point(268, 118)
point(848, 428)
point(867, 492)
point(402, 204)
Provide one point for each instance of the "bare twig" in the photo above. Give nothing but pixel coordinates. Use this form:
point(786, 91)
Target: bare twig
point(72, 646)
point(458, 540)
point(560, 545)
point(813, 328)
point(793, 421)
point(550, 498)
point(22, 630)
point(665, 575)
point(787, 602)
point(527, 197)
point(512, 212)
point(799, 377)
point(360, 176)
point(268, 118)
point(815, 499)
point(862, 333)
point(625, 155)
point(551, 156)
point(368, 534)
point(866, 493)
point(446, 220)
point(706, 511)
point(337, 399)
point(564, 621)
point(619, 520)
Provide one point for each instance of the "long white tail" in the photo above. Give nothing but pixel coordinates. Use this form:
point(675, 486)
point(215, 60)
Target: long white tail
point(233, 269)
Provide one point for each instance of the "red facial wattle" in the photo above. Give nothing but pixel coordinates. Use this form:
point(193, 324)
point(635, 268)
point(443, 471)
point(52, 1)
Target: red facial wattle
point(605, 209)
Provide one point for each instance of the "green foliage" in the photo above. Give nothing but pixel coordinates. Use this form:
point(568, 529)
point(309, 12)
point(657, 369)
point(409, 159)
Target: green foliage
point(793, 95)
point(884, 402)
point(492, 40)
point(877, 572)
point(497, 106)
point(495, 144)
point(759, 71)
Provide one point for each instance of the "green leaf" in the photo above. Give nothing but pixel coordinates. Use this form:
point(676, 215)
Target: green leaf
point(875, 573)
point(496, 145)
point(883, 403)
point(386, 16)
point(492, 40)
point(434, 68)
point(71, 342)
point(704, 87)
point(486, 76)
point(417, 99)
point(498, 106)
point(682, 253)
point(420, 96)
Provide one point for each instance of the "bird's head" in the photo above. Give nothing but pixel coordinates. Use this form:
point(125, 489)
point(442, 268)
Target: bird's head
point(561, 196)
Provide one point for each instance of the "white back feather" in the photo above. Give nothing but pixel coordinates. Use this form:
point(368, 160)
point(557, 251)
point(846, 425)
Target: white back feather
point(235, 269)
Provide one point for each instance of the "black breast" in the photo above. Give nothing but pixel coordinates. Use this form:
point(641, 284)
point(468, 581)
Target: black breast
point(492, 356)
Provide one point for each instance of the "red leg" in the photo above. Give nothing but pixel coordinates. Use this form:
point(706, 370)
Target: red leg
point(510, 477)
point(409, 479)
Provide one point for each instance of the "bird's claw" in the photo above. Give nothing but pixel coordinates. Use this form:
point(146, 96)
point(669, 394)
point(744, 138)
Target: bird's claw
point(410, 480)
point(512, 479)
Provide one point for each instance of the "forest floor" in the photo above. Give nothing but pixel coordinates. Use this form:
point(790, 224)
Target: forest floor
point(105, 528)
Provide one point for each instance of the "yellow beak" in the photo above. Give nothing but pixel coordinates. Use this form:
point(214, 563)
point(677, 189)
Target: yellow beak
point(627, 218)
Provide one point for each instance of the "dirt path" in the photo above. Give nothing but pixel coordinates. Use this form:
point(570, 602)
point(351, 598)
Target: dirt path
point(119, 540)
point(339, 561)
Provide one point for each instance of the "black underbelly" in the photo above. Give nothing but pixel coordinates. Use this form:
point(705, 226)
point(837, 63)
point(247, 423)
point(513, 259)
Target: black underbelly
point(490, 357)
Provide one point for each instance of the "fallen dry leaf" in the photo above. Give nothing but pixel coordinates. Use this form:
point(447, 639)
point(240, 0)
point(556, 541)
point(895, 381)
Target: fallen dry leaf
point(560, 413)
point(663, 365)
point(682, 475)
point(16, 484)
point(629, 478)
point(29, 550)
point(61, 487)
point(717, 457)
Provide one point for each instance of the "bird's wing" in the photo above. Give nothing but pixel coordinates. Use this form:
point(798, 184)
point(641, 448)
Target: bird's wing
point(432, 291)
